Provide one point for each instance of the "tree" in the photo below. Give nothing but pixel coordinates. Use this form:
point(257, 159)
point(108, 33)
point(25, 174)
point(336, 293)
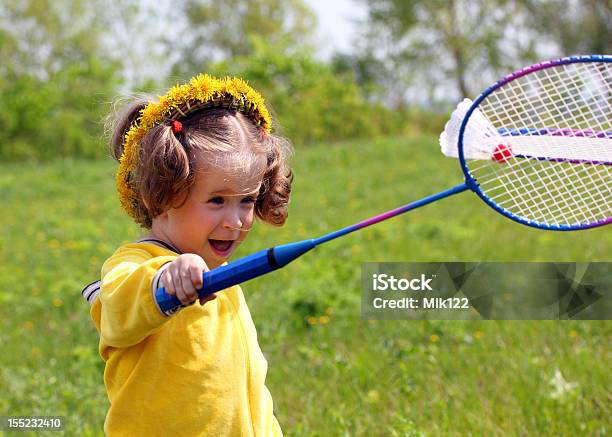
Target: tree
point(222, 30)
point(54, 79)
point(432, 43)
point(309, 101)
point(366, 69)
point(575, 26)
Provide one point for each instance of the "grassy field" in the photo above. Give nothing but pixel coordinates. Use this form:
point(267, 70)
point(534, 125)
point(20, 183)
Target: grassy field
point(330, 373)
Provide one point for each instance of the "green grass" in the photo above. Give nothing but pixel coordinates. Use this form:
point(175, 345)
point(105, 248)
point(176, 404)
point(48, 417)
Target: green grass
point(330, 373)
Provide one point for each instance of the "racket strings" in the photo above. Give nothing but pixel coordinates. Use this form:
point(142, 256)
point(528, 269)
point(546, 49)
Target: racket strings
point(546, 119)
point(528, 206)
point(578, 212)
point(547, 142)
point(572, 100)
point(575, 104)
point(515, 100)
point(562, 190)
point(523, 199)
point(523, 205)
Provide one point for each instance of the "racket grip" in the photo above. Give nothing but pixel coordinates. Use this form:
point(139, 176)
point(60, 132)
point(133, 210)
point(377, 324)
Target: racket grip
point(237, 272)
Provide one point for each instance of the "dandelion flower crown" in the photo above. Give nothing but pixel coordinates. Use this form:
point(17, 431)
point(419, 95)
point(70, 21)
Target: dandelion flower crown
point(202, 91)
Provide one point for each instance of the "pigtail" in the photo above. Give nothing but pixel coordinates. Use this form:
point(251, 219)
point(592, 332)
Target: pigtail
point(273, 199)
point(163, 171)
point(119, 122)
point(162, 151)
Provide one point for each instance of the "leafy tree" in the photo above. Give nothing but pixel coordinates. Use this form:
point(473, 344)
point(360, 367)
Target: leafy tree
point(434, 42)
point(366, 68)
point(54, 79)
point(575, 26)
point(218, 30)
point(310, 101)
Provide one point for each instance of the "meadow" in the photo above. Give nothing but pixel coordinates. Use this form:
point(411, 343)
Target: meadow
point(330, 372)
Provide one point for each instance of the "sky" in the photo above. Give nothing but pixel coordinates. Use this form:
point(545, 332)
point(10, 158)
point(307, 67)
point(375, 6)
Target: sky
point(338, 24)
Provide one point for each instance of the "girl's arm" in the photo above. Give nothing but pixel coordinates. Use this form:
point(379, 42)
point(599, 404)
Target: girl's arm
point(128, 311)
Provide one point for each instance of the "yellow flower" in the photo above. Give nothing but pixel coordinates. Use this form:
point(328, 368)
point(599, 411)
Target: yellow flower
point(478, 334)
point(434, 338)
point(200, 90)
point(324, 320)
point(573, 334)
point(312, 320)
point(54, 244)
point(57, 302)
point(174, 93)
point(373, 396)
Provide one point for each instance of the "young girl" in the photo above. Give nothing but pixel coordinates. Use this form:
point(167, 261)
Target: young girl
point(195, 169)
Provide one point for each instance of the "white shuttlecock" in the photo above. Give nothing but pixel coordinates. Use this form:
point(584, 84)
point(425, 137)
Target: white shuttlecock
point(480, 136)
point(481, 140)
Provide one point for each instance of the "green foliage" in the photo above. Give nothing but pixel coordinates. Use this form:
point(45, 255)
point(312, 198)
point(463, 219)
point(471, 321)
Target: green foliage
point(578, 27)
point(63, 62)
point(224, 30)
point(366, 68)
point(54, 93)
point(463, 44)
point(57, 117)
point(312, 102)
point(330, 373)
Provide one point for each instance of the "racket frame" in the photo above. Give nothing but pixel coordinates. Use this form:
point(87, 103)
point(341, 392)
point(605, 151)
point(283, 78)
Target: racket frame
point(472, 182)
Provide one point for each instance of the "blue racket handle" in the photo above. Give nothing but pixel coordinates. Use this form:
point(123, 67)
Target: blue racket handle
point(238, 271)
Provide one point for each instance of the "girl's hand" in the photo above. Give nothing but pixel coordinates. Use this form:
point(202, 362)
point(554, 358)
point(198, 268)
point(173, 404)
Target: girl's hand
point(184, 276)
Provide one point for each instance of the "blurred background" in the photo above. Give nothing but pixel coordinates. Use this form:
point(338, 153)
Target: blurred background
point(329, 70)
point(362, 88)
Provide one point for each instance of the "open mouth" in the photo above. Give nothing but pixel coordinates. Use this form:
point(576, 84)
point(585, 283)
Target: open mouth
point(221, 247)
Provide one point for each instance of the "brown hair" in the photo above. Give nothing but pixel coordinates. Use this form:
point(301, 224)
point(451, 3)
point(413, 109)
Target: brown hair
point(167, 162)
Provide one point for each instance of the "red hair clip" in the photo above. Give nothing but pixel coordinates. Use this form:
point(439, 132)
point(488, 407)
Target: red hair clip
point(263, 134)
point(177, 126)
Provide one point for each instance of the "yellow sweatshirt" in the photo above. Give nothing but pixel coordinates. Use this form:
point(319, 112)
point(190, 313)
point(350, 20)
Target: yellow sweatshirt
point(199, 372)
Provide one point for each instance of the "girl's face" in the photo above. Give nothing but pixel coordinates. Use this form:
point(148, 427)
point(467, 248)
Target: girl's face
point(215, 217)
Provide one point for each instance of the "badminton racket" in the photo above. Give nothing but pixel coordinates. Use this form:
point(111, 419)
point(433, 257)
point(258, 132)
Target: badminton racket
point(536, 146)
